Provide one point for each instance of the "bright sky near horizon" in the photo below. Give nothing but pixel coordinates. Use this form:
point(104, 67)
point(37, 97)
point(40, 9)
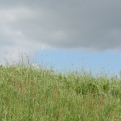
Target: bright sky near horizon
point(69, 33)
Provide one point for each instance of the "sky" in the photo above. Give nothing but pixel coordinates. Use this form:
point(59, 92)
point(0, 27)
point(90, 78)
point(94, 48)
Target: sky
point(64, 33)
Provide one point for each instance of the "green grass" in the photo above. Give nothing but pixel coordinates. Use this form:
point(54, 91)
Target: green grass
point(28, 94)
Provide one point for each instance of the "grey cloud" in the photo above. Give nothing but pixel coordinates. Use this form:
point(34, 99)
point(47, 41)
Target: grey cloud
point(89, 24)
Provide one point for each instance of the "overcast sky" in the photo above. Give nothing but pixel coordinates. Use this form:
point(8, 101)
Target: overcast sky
point(29, 26)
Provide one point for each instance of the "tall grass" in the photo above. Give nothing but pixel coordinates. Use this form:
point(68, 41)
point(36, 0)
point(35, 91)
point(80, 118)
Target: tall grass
point(30, 94)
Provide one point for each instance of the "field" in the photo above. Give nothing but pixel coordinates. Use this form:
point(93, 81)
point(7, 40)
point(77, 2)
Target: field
point(30, 94)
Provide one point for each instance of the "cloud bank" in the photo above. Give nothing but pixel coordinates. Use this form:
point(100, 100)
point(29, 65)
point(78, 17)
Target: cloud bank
point(35, 25)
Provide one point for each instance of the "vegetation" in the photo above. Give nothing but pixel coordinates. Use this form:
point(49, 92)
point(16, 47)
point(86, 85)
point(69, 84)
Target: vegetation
point(30, 94)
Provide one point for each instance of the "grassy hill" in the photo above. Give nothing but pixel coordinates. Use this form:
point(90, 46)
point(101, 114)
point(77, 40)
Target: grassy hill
point(30, 94)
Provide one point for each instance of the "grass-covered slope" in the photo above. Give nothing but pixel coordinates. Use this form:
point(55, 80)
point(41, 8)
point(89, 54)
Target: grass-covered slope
point(28, 94)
